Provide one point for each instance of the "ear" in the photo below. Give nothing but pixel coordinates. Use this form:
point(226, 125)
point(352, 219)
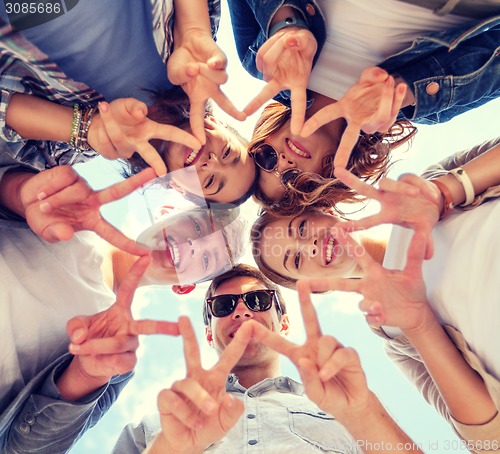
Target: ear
point(330, 211)
point(208, 336)
point(284, 325)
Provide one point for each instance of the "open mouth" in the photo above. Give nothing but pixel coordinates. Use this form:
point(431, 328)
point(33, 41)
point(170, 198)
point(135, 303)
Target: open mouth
point(328, 250)
point(298, 149)
point(193, 157)
point(173, 249)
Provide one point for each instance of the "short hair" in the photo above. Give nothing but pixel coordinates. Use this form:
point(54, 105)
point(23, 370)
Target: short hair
point(242, 270)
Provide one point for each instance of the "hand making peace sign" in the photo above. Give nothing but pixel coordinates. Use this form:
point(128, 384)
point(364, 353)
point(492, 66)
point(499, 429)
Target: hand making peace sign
point(196, 411)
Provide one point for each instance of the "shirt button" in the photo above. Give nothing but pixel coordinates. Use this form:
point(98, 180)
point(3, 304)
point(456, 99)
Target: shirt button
point(250, 416)
point(252, 442)
point(30, 419)
point(310, 9)
point(432, 88)
point(25, 429)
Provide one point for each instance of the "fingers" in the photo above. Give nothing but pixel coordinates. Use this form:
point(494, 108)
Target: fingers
point(311, 322)
point(191, 348)
point(118, 344)
point(320, 118)
point(273, 340)
point(399, 96)
point(343, 285)
point(173, 134)
point(346, 245)
point(227, 106)
point(114, 130)
point(428, 189)
point(299, 103)
point(235, 349)
point(113, 236)
point(373, 75)
point(171, 404)
point(197, 119)
point(348, 141)
point(341, 359)
point(353, 182)
point(76, 328)
point(59, 177)
point(217, 76)
point(416, 253)
point(57, 231)
point(198, 396)
point(125, 187)
point(398, 187)
point(137, 327)
point(384, 110)
point(313, 386)
point(152, 157)
point(129, 284)
point(268, 91)
point(77, 191)
point(373, 312)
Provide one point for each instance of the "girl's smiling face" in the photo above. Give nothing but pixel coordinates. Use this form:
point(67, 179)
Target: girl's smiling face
point(305, 246)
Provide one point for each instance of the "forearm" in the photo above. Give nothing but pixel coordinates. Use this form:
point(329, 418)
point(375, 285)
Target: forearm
point(37, 118)
point(74, 383)
point(461, 388)
point(483, 171)
point(191, 15)
point(376, 431)
point(10, 189)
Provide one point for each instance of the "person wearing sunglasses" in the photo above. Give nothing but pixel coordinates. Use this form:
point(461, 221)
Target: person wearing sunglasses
point(244, 403)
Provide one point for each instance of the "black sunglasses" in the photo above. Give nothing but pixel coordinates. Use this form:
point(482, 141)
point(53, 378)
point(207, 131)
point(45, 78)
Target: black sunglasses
point(266, 157)
point(256, 301)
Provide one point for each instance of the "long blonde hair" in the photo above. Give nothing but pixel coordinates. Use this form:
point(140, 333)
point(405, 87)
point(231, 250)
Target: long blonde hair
point(369, 161)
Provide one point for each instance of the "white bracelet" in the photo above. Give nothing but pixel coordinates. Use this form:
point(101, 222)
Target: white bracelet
point(461, 175)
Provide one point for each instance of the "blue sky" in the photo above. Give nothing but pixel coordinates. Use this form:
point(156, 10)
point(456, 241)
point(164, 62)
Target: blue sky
point(160, 358)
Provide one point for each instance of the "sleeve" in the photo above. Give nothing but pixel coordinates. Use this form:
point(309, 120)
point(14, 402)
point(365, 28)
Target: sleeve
point(450, 74)
point(39, 421)
point(251, 20)
point(483, 437)
point(459, 159)
point(136, 438)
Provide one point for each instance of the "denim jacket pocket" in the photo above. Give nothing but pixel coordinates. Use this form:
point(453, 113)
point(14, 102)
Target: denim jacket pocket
point(320, 429)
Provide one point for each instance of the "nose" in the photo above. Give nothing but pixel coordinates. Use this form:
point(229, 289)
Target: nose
point(285, 163)
point(241, 311)
point(211, 161)
point(310, 247)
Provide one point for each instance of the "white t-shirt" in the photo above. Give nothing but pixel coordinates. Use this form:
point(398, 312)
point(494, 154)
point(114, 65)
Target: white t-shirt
point(362, 33)
point(42, 286)
point(463, 277)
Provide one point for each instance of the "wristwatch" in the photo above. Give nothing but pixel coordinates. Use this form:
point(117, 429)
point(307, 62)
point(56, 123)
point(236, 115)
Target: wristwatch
point(288, 22)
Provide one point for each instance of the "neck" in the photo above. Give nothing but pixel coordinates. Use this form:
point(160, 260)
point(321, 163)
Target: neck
point(251, 375)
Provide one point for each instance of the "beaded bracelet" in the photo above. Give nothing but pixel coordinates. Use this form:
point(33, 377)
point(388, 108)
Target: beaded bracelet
point(82, 120)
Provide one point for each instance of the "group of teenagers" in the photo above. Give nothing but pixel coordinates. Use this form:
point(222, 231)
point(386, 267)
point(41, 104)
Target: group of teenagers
point(134, 81)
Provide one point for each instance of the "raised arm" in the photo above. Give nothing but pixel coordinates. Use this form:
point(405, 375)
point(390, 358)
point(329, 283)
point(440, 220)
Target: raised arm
point(334, 380)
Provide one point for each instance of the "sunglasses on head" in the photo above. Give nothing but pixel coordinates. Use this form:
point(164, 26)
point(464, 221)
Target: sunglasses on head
point(256, 301)
point(266, 157)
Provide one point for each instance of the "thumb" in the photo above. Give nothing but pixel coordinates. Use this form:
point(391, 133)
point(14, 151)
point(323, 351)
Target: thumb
point(58, 232)
point(230, 411)
point(76, 328)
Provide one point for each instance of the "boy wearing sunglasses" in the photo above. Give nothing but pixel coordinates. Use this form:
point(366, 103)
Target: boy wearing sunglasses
point(243, 404)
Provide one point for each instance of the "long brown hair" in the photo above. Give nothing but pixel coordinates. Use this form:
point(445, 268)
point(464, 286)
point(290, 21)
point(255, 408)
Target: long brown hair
point(369, 161)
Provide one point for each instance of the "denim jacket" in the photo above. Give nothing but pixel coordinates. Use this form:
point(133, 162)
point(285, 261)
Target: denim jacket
point(39, 421)
point(448, 72)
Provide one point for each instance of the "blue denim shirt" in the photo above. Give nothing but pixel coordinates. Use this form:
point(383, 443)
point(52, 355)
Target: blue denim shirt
point(448, 72)
point(278, 418)
point(39, 421)
point(251, 21)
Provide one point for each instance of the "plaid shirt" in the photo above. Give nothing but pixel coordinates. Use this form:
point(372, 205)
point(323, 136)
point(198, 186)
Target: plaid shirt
point(25, 69)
